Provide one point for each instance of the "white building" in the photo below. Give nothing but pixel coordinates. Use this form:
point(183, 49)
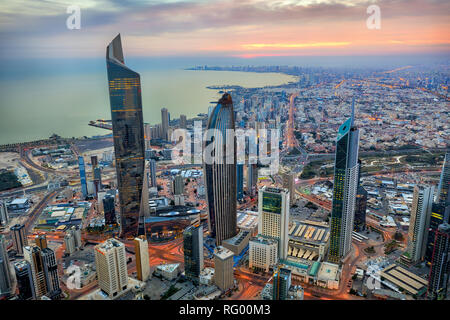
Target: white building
point(273, 222)
point(111, 265)
point(142, 259)
point(263, 253)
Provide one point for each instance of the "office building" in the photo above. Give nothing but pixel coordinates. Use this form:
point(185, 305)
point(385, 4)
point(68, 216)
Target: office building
point(223, 268)
point(182, 121)
point(440, 213)
point(178, 185)
point(19, 238)
point(153, 172)
point(41, 241)
point(440, 264)
point(240, 181)
point(444, 181)
point(24, 280)
point(96, 174)
point(165, 123)
point(128, 134)
point(273, 217)
point(345, 187)
point(109, 209)
point(6, 280)
point(3, 213)
point(72, 240)
point(419, 223)
point(142, 259)
point(263, 253)
point(252, 179)
point(111, 266)
point(32, 254)
point(51, 273)
point(193, 252)
point(289, 184)
point(84, 189)
point(360, 209)
point(220, 173)
point(281, 284)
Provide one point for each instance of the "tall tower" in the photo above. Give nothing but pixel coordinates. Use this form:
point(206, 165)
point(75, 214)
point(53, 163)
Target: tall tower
point(165, 123)
point(51, 273)
point(440, 264)
point(82, 176)
point(252, 178)
point(111, 265)
point(281, 284)
point(418, 224)
point(128, 132)
point(220, 176)
point(444, 181)
point(153, 172)
point(33, 256)
point(223, 268)
point(346, 171)
point(193, 252)
point(240, 181)
point(142, 259)
point(5, 270)
point(24, 280)
point(19, 238)
point(273, 216)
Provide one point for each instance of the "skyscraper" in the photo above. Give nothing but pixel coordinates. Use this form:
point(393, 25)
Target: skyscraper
point(419, 223)
point(252, 178)
point(273, 217)
point(223, 268)
point(240, 181)
point(109, 209)
point(193, 252)
point(182, 121)
point(165, 123)
point(5, 270)
point(51, 273)
point(83, 182)
point(41, 241)
point(444, 181)
point(96, 174)
point(289, 183)
point(19, 238)
point(142, 259)
point(360, 209)
point(220, 176)
point(3, 213)
point(346, 171)
point(32, 255)
point(24, 280)
point(111, 265)
point(281, 284)
point(128, 133)
point(153, 172)
point(440, 213)
point(440, 264)
point(178, 184)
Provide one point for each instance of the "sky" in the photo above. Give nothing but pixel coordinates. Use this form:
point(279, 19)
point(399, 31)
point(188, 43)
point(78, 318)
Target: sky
point(226, 28)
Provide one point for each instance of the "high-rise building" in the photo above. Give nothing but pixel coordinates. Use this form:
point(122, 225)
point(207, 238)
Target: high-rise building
point(183, 121)
point(281, 284)
point(142, 259)
point(360, 209)
point(273, 217)
point(5, 270)
point(72, 239)
point(19, 238)
point(223, 268)
point(32, 255)
point(289, 183)
point(51, 273)
point(220, 176)
point(24, 278)
point(165, 123)
point(444, 181)
point(440, 264)
point(440, 213)
point(240, 181)
point(3, 213)
point(153, 172)
point(83, 181)
point(346, 173)
point(419, 223)
point(178, 184)
point(41, 241)
point(109, 209)
point(193, 252)
point(263, 253)
point(96, 174)
point(111, 265)
point(128, 133)
point(252, 179)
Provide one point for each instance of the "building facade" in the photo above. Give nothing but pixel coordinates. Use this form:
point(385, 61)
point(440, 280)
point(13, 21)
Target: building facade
point(19, 238)
point(263, 253)
point(360, 209)
point(24, 280)
point(440, 264)
point(5, 270)
point(84, 189)
point(193, 252)
point(142, 259)
point(444, 181)
point(128, 134)
point(223, 268)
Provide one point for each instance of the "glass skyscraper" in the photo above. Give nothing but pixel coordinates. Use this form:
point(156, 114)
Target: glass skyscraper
point(346, 173)
point(82, 176)
point(193, 252)
point(220, 176)
point(128, 133)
